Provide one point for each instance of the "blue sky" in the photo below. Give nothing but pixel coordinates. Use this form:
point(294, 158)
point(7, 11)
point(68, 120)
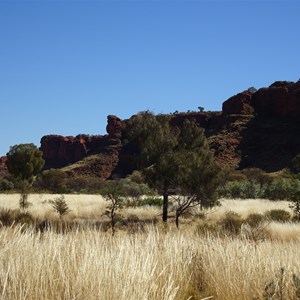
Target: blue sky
point(66, 65)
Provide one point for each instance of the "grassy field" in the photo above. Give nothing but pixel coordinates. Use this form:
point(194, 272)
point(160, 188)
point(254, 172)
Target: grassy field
point(157, 262)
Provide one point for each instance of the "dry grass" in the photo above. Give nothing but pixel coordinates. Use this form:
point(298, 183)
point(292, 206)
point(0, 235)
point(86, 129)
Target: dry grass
point(83, 207)
point(246, 207)
point(159, 262)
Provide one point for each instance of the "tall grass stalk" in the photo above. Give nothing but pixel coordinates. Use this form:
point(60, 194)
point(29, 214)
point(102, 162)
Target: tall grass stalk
point(155, 264)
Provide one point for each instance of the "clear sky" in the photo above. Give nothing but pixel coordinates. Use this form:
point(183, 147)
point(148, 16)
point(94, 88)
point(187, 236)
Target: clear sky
point(66, 65)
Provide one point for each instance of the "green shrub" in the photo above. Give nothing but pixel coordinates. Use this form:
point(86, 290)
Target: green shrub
point(152, 201)
point(232, 222)
point(60, 206)
point(280, 189)
point(278, 215)
point(242, 189)
point(52, 180)
point(6, 184)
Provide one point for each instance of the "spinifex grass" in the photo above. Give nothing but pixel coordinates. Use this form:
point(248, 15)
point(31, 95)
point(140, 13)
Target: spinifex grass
point(156, 264)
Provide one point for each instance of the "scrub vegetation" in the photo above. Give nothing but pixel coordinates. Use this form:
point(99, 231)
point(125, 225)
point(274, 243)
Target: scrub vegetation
point(226, 252)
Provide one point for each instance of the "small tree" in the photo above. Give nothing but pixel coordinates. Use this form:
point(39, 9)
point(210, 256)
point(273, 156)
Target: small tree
point(60, 206)
point(114, 194)
point(24, 161)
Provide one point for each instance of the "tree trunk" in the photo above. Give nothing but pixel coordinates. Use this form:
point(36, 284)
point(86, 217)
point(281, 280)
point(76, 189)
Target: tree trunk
point(177, 219)
point(165, 206)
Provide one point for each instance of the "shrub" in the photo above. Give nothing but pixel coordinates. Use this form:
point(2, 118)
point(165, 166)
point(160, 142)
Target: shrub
point(232, 222)
point(255, 219)
point(60, 206)
point(82, 184)
point(10, 216)
point(257, 175)
point(152, 201)
point(7, 216)
point(279, 189)
point(278, 215)
point(53, 180)
point(242, 189)
point(25, 218)
point(6, 185)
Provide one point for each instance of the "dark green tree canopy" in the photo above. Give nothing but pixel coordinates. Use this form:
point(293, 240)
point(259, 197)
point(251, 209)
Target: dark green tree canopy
point(173, 158)
point(24, 161)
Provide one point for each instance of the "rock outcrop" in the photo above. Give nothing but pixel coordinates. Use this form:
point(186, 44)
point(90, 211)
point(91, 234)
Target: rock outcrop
point(239, 104)
point(61, 151)
point(255, 129)
point(281, 99)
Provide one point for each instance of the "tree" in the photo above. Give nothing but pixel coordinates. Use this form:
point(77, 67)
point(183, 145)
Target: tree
point(171, 157)
point(113, 193)
point(24, 161)
point(198, 176)
point(60, 206)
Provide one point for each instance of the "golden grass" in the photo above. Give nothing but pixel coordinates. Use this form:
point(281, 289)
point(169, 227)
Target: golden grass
point(246, 207)
point(159, 262)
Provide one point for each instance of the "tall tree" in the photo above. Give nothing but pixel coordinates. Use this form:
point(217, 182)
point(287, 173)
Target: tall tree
point(171, 157)
point(24, 161)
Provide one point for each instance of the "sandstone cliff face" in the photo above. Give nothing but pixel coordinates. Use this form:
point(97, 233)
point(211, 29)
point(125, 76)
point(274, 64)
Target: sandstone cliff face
point(260, 129)
point(281, 99)
point(60, 151)
point(255, 129)
point(238, 104)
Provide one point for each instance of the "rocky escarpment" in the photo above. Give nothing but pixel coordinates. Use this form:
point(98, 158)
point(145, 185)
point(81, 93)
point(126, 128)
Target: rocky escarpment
point(255, 129)
point(260, 129)
point(60, 151)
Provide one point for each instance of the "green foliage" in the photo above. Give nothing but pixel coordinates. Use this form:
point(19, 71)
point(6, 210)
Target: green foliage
point(280, 189)
point(6, 184)
point(260, 185)
point(53, 180)
point(83, 184)
point(242, 189)
point(134, 191)
point(152, 201)
point(278, 215)
point(60, 206)
point(24, 161)
point(173, 158)
point(113, 193)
